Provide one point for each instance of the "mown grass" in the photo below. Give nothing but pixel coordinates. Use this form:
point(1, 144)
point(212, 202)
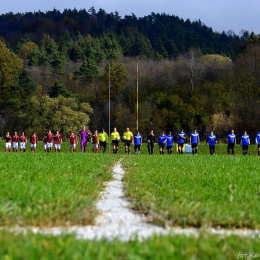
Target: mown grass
point(45, 189)
point(205, 246)
point(200, 191)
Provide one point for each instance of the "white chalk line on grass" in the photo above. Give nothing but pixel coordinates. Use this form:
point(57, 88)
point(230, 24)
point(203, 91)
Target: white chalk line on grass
point(117, 220)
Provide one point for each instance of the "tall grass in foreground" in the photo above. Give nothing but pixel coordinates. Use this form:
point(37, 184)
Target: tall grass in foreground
point(51, 189)
point(181, 247)
point(198, 191)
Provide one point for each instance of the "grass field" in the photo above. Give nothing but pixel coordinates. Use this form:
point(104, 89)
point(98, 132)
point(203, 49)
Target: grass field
point(205, 246)
point(48, 189)
point(44, 189)
point(198, 191)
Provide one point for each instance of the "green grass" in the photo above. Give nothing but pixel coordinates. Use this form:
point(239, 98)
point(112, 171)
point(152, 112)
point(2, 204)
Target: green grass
point(205, 246)
point(48, 189)
point(200, 191)
point(44, 189)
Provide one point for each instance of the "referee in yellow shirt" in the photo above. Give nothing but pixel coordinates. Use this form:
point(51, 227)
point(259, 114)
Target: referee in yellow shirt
point(128, 138)
point(103, 139)
point(115, 137)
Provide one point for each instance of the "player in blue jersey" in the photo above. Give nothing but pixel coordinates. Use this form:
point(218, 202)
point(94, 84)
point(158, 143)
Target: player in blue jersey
point(257, 141)
point(211, 140)
point(137, 142)
point(245, 142)
point(181, 136)
point(169, 143)
point(162, 141)
point(231, 141)
point(194, 141)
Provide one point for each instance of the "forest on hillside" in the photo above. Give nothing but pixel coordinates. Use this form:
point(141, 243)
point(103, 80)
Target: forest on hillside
point(55, 69)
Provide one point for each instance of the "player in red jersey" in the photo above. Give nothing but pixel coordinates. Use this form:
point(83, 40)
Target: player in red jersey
point(95, 142)
point(33, 142)
point(57, 141)
point(15, 140)
point(73, 141)
point(23, 141)
point(49, 140)
point(8, 142)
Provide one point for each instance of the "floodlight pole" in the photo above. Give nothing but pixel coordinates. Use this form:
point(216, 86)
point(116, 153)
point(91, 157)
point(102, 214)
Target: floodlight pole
point(137, 96)
point(109, 108)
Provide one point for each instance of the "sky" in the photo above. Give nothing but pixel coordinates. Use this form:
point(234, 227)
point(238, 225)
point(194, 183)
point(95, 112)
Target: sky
point(220, 15)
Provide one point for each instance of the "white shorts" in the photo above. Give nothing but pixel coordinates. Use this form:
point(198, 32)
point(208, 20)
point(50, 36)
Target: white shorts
point(73, 146)
point(45, 146)
point(57, 146)
point(95, 145)
point(33, 145)
point(8, 145)
point(15, 145)
point(22, 145)
point(49, 145)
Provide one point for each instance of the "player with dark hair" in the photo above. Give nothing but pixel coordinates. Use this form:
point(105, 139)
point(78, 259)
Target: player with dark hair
point(57, 138)
point(137, 142)
point(95, 142)
point(169, 142)
point(23, 141)
point(231, 141)
point(257, 141)
point(83, 139)
point(73, 141)
point(211, 140)
point(115, 138)
point(128, 139)
point(150, 142)
point(33, 142)
point(162, 139)
point(15, 140)
point(194, 141)
point(103, 139)
point(181, 136)
point(245, 142)
point(8, 142)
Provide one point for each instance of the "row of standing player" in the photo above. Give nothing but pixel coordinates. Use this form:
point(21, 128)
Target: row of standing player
point(101, 139)
point(167, 140)
point(164, 140)
point(50, 139)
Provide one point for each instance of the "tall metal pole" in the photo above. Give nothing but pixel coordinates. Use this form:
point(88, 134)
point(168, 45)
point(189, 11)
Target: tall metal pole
point(109, 108)
point(137, 96)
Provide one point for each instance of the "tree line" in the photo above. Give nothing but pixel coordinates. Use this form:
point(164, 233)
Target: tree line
point(63, 80)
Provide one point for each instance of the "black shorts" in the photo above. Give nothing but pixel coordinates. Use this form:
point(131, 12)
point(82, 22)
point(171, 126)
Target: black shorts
point(231, 146)
point(161, 146)
point(115, 142)
point(180, 145)
point(194, 145)
point(103, 144)
point(137, 147)
point(244, 147)
point(127, 143)
point(169, 147)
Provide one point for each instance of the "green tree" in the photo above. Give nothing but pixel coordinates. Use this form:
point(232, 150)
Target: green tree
point(10, 69)
point(58, 89)
point(60, 113)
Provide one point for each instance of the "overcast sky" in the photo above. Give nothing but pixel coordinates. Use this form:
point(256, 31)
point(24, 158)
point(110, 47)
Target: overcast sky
point(220, 15)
